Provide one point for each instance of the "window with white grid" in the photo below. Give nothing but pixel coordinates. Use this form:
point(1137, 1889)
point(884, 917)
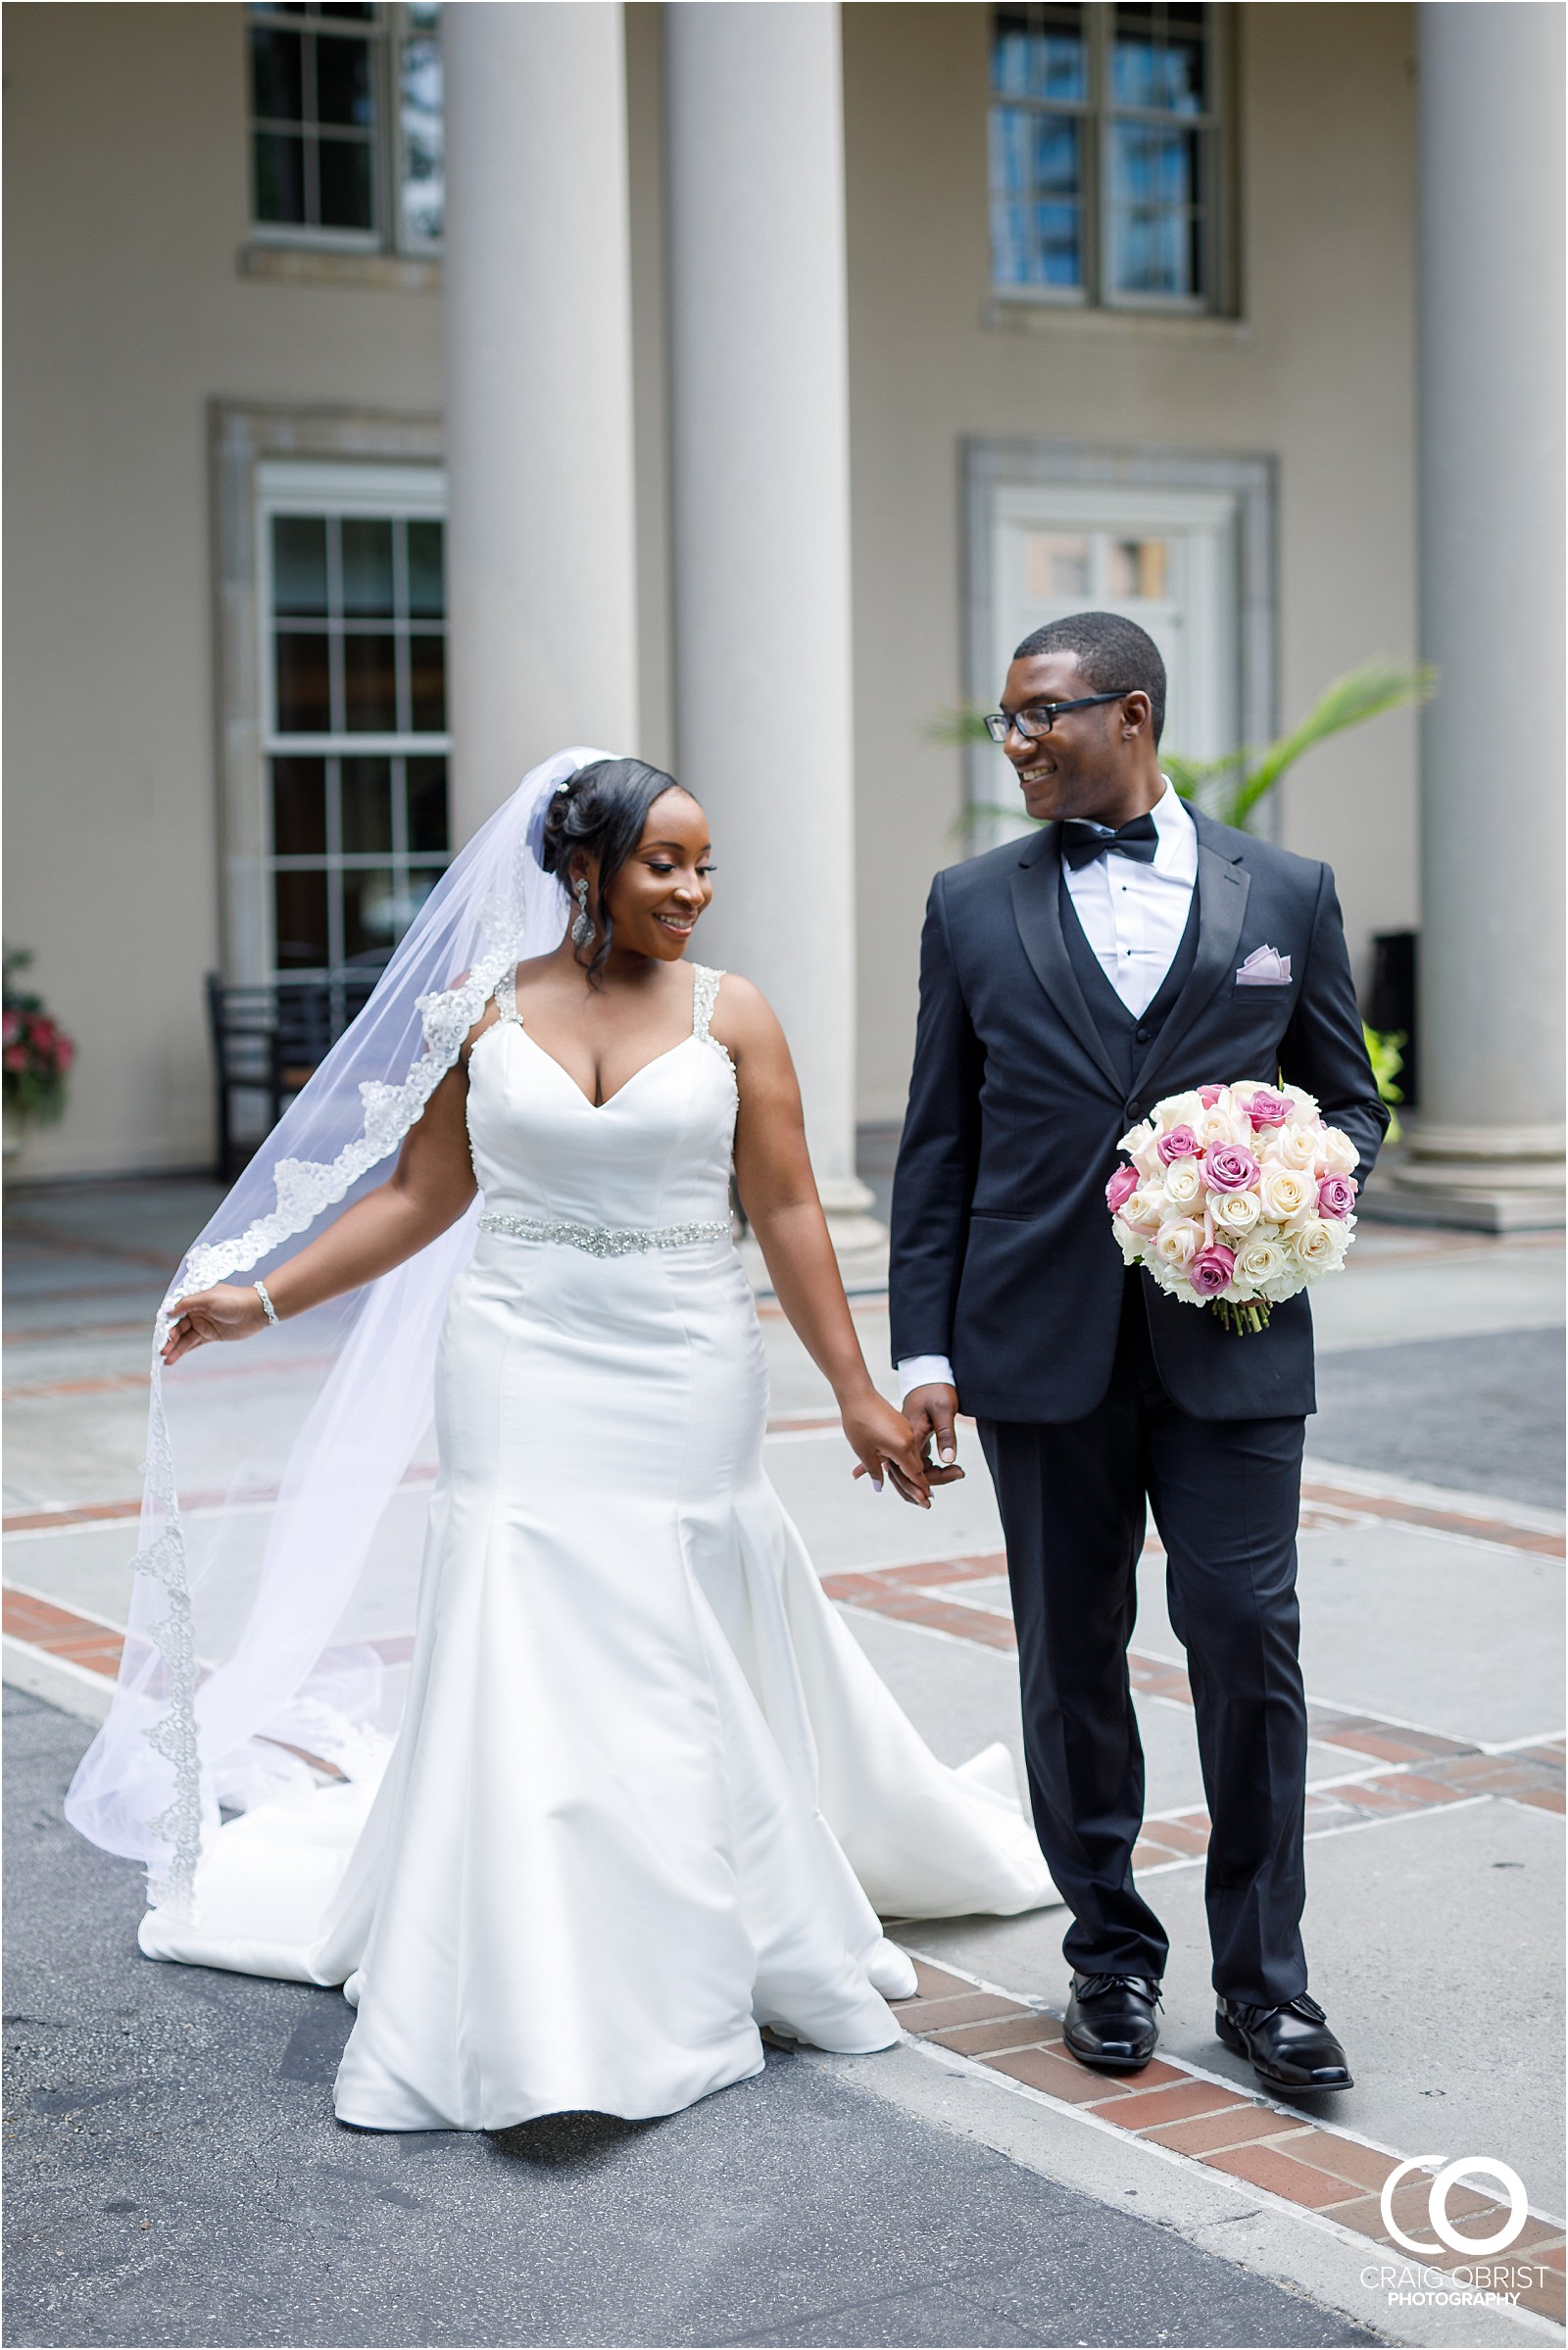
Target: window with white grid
point(346, 125)
point(1107, 155)
point(354, 712)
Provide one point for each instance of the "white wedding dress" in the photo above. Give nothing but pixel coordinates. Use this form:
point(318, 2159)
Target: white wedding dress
point(648, 1794)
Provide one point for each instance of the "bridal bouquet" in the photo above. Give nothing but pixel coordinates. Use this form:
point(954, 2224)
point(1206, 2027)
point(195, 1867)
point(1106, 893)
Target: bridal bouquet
point(1237, 1196)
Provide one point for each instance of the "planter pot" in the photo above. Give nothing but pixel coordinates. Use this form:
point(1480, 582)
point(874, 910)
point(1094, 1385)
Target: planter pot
point(13, 1138)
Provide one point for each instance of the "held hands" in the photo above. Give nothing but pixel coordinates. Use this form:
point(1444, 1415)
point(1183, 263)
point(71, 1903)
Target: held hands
point(883, 1439)
point(225, 1313)
point(931, 1413)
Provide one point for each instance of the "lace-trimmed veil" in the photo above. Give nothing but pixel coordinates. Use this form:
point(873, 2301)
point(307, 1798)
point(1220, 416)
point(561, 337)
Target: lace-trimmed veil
point(287, 1479)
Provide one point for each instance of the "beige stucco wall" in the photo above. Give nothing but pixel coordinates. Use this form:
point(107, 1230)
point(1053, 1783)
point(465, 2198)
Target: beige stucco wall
point(1318, 373)
point(126, 203)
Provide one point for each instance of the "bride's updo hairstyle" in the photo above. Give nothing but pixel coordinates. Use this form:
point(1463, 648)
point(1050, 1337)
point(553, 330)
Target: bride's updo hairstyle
point(601, 810)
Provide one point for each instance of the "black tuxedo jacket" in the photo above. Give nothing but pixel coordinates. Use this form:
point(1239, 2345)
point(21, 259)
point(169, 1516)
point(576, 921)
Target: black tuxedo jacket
point(1003, 1256)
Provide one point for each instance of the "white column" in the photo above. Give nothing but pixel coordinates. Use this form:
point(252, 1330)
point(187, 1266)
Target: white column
point(537, 326)
point(1488, 1147)
point(760, 384)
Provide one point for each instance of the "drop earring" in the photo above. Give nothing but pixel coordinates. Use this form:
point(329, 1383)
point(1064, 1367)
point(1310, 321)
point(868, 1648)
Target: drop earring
point(582, 928)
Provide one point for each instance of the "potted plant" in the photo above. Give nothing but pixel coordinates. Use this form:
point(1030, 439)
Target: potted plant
point(36, 1054)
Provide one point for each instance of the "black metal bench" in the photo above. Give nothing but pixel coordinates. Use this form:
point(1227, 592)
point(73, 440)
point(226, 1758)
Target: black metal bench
point(269, 1041)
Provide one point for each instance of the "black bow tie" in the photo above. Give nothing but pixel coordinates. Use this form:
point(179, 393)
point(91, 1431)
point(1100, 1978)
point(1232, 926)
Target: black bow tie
point(1082, 840)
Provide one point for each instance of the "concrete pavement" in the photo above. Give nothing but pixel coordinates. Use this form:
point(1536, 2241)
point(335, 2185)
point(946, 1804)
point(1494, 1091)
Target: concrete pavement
point(1431, 1576)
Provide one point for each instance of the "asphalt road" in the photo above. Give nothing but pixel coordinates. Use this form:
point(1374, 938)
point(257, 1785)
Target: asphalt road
point(175, 2176)
point(1482, 1414)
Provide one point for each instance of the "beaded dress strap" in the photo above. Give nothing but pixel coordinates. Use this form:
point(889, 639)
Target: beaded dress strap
point(704, 994)
point(507, 995)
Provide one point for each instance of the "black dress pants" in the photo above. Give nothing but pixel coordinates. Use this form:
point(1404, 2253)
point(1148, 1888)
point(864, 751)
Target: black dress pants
point(1225, 1496)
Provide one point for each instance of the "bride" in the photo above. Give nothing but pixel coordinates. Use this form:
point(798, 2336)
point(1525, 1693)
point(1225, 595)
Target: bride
point(647, 1794)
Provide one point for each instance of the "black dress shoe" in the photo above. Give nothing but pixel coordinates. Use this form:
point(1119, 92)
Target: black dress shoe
point(1290, 2048)
point(1110, 2022)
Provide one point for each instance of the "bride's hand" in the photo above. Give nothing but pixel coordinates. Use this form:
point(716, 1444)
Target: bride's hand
point(225, 1313)
point(882, 1438)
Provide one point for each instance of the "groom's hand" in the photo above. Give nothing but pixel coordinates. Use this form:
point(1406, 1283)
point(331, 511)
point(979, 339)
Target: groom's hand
point(931, 1413)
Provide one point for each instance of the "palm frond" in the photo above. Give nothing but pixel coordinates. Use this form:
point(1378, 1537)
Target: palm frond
point(1368, 692)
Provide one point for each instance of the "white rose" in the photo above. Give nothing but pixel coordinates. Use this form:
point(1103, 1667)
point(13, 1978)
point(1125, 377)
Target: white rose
point(1260, 1262)
point(1184, 1181)
point(1137, 1138)
point(1296, 1147)
point(1224, 1125)
point(1337, 1154)
point(1141, 1209)
point(1128, 1242)
point(1320, 1243)
point(1284, 1193)
point(1179, 1240)
point(1179, 1109)
point(1233, 1212)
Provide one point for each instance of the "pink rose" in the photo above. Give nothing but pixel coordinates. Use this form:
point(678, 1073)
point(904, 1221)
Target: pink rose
point(1121, 1186)
point(1336, 1195)
point(12, 1029)
point(1208, 1095)
point(15, 1056)
point(1180, 1143)
point(1210, 1271)
point(1230, 1168)
point(1268, 1109)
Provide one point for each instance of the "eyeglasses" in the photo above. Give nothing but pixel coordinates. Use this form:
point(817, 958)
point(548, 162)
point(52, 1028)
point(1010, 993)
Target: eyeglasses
point(1040, 717)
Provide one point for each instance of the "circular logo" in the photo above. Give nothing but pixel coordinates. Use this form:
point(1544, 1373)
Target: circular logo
point(1447, 2178)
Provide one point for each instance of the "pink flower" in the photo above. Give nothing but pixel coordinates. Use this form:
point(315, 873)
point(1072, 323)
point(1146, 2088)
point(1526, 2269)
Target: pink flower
point(1230, 1168)
point(1121, 1186)
point(1180, 1143)
point(1208, 1095)
point(64, 1053)
point(12, 1029)
point(1268, 1109)
point(1210, 1271)
point(15, 1056)
point(1336, 1195)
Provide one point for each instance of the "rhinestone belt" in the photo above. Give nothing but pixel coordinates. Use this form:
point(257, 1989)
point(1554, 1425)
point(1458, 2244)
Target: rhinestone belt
point(603, 1240)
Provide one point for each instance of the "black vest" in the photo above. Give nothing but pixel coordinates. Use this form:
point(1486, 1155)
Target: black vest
point(1127, 1036)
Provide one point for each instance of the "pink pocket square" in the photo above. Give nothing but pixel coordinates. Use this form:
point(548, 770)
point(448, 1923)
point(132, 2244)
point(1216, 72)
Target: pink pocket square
point(1265, 967)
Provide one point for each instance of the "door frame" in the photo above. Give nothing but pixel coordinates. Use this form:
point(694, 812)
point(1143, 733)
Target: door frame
point(992, 466)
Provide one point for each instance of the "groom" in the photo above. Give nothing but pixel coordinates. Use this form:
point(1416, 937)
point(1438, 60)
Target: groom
point(1125, 952)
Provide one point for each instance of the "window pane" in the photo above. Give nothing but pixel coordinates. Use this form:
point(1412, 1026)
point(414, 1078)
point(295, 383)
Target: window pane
point(427, 665)
point(360, 11)
point(304, 687)
point(428, 805)
point(1055, 564)
point(1055, 154)
point(1158, 59)
point(345, 194)
point(1036, 188)
point(1039, 53)
point(374, 915)
point(299, 907)
point(276, 84)
point(421, 104)
point(343, 83)
point(1139, 568)
point(367, 806)
point(370, 684)
point(426, 587)
point(299, 808)
point(279, 178)
point(1156, 226)
point(367, 569)
point(298, 564)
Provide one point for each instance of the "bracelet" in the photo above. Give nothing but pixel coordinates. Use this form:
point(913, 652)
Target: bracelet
point(267, 1307)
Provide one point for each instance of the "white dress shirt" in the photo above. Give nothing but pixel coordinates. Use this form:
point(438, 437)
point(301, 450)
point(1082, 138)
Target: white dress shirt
point(1133, 917)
